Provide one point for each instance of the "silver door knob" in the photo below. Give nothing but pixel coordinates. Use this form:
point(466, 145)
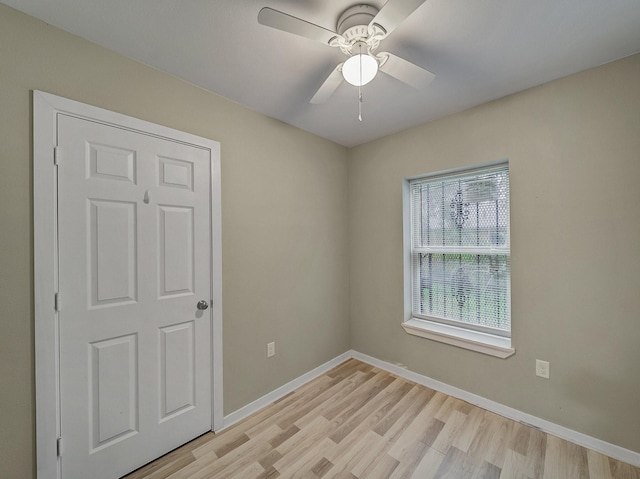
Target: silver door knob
point(203, 304)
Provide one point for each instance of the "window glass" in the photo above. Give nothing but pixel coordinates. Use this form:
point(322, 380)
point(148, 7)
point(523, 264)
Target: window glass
point(460, 249)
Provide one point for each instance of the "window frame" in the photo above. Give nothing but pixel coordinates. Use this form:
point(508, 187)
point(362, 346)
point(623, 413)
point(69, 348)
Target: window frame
point(442, 330)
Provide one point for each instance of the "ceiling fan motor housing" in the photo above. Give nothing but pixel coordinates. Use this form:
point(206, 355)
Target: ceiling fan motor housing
point(354, 21)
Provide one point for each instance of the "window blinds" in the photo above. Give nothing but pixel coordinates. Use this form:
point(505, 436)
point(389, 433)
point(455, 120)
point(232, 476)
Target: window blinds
point(460, 249)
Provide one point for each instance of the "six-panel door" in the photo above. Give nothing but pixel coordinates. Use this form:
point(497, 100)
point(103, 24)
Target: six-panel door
point(134, 248)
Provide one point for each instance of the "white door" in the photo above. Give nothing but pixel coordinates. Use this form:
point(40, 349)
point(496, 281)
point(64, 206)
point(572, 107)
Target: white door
point(134, 261)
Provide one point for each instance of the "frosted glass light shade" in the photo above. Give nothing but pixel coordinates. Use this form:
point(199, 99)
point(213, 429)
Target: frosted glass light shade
point(351, 69)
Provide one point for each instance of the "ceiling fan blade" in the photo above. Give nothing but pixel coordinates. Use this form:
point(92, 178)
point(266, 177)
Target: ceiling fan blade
point(330, 85)
point(394, 12)
point(406, 72)
point(287, 23)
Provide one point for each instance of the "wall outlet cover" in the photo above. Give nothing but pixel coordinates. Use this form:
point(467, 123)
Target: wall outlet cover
point(542, 368)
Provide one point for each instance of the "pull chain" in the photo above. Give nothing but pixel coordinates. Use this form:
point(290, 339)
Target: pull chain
point(360, 88)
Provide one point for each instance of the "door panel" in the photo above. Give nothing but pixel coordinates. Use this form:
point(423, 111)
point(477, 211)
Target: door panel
point(175, 173)
point(134, 260)
point(113, 400)
point(110, 163)
point(113, 250)
point(177, 375)
point(175, 255)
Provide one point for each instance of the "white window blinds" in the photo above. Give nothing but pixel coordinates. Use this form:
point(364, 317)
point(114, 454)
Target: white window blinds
point(460, 249)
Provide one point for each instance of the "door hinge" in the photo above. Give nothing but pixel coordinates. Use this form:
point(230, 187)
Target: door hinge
point(59, 447)
point(57, 302)
point(56, 155)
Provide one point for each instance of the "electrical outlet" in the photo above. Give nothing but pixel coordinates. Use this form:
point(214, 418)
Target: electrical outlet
point(542, 369)
point(271, 349)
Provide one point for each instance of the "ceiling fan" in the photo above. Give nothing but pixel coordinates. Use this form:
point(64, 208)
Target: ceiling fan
point(359, 31)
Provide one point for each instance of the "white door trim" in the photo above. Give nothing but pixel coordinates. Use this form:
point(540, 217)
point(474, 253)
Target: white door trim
point(46, 108)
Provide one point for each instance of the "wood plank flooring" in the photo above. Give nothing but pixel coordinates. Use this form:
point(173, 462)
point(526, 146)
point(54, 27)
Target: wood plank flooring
point(357, 421)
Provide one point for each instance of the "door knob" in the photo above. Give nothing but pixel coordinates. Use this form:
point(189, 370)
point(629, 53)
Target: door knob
point(203, 304)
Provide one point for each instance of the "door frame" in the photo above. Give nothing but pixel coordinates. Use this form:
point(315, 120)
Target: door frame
point(46, 108)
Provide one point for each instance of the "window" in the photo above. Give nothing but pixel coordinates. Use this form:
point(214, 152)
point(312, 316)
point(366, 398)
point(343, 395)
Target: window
point(458, 258)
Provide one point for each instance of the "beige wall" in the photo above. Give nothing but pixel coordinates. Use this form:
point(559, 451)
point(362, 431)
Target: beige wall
point(574, 151)
point(284, 221)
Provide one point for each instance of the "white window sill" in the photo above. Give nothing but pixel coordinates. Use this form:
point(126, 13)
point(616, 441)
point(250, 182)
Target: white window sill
point(463, 338)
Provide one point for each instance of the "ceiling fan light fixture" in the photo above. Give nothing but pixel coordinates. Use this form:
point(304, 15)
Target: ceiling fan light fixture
point(360, 69)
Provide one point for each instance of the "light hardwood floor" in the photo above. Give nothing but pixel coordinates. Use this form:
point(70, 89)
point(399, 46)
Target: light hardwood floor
point(357, 421)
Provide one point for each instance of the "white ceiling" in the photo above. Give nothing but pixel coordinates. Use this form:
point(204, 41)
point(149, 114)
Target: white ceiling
point(479, 50)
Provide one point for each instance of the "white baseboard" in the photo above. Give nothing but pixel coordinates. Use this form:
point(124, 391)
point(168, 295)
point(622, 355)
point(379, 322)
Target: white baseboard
point(608, 449)
point(283, 390)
